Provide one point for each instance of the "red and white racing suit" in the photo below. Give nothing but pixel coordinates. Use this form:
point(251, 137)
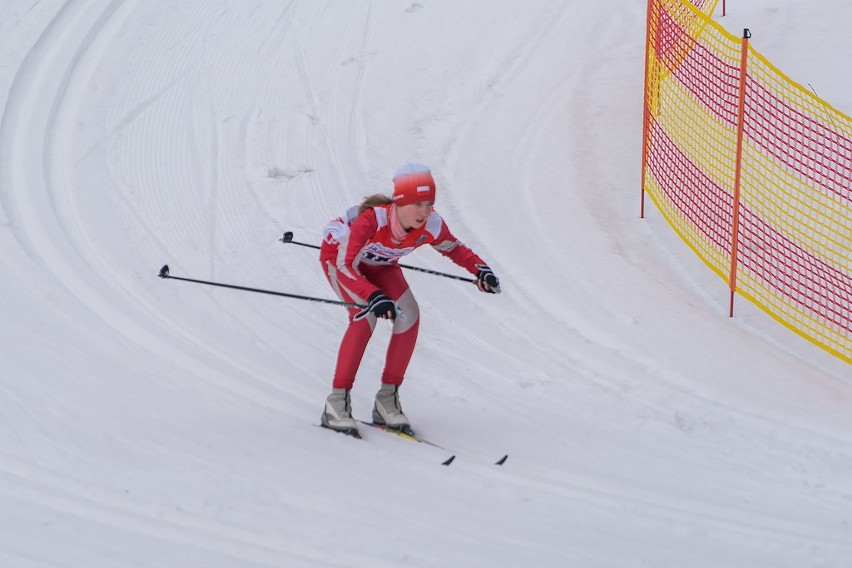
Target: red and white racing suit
point(359, 257)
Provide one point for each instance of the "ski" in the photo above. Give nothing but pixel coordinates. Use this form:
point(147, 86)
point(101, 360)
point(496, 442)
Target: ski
point(411, 436)
point(407, 434)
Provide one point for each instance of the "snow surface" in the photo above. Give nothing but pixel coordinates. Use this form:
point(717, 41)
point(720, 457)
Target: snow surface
point(153, 423)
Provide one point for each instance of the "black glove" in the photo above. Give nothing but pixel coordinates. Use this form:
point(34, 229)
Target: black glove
point(380, 306)
point(486, 281)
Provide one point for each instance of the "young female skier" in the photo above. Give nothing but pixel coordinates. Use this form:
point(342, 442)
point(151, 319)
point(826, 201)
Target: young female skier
point(359, 255)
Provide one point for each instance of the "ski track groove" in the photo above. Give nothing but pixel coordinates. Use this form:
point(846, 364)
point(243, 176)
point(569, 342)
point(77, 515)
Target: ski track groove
point(505, 72)
point(723, 519)
point(163, 522)
point(161, 128)
point(356, 112)
point(808, 443)
point(27, 73)
point(214, 196)
point(173, 109)
point(324, 118)
point(43, 245)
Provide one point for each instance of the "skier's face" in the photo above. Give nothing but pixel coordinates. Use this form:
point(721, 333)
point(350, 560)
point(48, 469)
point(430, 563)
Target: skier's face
point(414, 215)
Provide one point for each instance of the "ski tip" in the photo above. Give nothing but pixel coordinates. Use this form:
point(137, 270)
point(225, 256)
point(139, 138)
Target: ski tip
point(449, 460)
point(502, 460)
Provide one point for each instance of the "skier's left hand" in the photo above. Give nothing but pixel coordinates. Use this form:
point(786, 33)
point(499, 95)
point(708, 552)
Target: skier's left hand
point(486, 281)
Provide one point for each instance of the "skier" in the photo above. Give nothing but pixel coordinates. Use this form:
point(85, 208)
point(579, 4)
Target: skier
point(359, 256)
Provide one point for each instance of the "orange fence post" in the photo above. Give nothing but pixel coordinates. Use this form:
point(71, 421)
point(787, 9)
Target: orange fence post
point(735, 226)
point(646, 110)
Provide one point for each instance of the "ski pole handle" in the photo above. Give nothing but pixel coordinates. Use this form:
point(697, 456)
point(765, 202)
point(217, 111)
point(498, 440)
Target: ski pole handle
point(288, 238)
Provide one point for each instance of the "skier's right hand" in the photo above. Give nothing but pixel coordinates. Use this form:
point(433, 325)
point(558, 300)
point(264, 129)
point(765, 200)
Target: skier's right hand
point(486, 281)
point(380, 306)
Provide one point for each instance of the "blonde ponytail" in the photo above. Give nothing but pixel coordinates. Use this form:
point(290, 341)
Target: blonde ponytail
point(373, 201)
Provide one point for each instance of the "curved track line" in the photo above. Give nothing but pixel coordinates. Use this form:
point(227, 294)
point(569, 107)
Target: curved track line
point(38, 197)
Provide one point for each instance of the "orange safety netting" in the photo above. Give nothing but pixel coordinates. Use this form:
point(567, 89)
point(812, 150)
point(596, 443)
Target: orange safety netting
point(752, 170)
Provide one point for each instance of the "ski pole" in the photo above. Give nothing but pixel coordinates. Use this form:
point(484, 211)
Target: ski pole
point(164, 273)
point(288, 238)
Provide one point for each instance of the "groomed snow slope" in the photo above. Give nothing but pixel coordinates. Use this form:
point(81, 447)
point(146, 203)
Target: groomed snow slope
point(153, 423)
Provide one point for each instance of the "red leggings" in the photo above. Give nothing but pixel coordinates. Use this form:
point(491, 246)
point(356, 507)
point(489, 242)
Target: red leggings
point(388, 279)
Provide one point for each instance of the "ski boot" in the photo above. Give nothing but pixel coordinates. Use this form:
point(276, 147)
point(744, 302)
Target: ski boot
point(388, 412)
point(337, 414)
